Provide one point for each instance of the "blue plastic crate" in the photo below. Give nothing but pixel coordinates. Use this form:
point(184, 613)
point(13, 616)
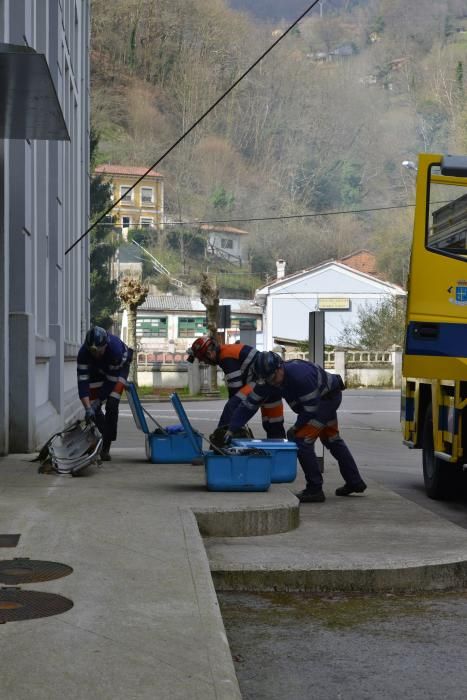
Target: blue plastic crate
point(238, 472)
point(284, 457)
point(165, 445)
point(230, 472)
point(172, 449)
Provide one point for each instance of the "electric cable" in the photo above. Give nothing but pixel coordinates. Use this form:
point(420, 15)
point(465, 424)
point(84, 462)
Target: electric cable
point(284, 217)
point(202, 222)
point(195, 124)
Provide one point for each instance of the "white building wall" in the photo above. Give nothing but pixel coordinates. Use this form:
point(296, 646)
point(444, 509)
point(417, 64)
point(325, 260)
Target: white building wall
point(290, 316)
point(45, 208)
point(287, 305)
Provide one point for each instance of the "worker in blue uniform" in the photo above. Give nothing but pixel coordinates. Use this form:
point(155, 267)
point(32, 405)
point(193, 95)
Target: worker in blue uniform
point(236, 361)
point(103, 364)
point(314, 395)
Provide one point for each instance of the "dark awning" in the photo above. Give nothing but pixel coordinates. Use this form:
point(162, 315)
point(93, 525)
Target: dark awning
point(29, 107)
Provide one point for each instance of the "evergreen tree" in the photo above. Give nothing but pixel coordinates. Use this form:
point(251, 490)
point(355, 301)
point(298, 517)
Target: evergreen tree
point(104, 300)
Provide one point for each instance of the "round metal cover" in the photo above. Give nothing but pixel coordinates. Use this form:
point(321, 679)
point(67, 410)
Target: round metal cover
point(13, 571)
point(27, 605)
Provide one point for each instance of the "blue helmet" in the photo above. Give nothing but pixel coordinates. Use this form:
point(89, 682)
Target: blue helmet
point(266, 363)
point(96, 337)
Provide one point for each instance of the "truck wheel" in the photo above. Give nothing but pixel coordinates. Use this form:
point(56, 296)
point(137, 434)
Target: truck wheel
point(437, 474)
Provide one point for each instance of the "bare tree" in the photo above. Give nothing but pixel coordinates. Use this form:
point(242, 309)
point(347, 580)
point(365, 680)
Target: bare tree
point(132, 294)
point(209, 294)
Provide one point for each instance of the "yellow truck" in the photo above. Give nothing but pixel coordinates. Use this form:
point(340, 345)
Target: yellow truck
point(434, 367)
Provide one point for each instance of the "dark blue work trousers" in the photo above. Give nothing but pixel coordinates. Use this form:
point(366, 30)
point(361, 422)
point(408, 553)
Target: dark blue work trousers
point(325, 427)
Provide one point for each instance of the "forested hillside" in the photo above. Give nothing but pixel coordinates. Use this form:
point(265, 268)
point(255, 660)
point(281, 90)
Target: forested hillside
point(321, 125)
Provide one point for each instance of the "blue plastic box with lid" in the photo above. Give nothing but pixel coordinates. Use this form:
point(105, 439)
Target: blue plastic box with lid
point(284, 457)
point(169, 445)
point(230, 472)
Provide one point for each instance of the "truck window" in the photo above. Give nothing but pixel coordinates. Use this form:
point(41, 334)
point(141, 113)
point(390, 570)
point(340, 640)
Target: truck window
point(446, 232)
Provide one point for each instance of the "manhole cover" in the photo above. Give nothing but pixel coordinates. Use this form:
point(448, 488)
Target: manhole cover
point(27, 605)
point(9, 540)
point(14, 571)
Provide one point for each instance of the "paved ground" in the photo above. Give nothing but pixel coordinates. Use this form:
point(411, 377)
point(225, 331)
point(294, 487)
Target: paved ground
point(145, 621)
point(299, 646)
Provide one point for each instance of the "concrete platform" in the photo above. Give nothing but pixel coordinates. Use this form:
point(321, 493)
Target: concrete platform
point(145, 621)
point(376, 541)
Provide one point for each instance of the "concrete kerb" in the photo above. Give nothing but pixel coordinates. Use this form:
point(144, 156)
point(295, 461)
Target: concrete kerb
point(249, 522)
point(435, 577)
point(224, 678)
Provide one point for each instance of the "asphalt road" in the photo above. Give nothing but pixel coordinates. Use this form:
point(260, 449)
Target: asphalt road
point(369, 422)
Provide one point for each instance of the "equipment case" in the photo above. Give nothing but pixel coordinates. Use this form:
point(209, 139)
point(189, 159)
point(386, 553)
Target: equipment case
point(283, 453)
point(230, 472)
point(162, 445)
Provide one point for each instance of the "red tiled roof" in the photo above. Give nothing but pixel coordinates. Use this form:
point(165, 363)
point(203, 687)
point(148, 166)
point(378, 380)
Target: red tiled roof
point(134, 170)
point(363, 261)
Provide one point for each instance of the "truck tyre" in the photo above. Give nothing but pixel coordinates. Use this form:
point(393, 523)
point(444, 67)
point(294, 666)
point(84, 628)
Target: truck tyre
point(437, 474)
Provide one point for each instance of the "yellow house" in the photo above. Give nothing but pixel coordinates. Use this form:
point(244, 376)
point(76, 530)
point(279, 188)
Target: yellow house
point(144, 205)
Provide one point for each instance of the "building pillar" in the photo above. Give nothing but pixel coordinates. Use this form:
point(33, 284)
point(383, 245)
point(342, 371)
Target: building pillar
point(396, 367)
point(194, 378)
point(4, 286)
point(22, 382)
point(339, 363)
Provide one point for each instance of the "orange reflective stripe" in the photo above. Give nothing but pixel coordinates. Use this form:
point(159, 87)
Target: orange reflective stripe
point(247, 389)
point(232, 351)
point(308, 431)
point(329, 432)
point(118, 388)
point(273, 411)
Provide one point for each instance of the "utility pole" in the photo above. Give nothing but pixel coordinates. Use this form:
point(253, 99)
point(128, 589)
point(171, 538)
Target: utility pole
point(316, 336)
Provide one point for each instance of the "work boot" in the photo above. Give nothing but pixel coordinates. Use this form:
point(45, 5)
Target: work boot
point(347, 489)
point(105, 456)
point(307, 496)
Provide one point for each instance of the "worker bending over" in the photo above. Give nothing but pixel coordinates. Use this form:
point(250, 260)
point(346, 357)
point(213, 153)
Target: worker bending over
point(236, 361)
point(314, 395)
point(103, 366)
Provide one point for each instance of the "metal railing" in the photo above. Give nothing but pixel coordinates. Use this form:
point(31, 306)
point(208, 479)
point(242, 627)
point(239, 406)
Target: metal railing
point(352, 357)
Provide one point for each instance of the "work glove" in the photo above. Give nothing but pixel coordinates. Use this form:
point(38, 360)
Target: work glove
point(90, 414)
point(228, 435)
point(291, 434)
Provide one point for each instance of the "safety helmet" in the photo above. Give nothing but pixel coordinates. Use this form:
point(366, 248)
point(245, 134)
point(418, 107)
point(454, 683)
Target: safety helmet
point(202, 345)
point(266, 363)
point(96, 337)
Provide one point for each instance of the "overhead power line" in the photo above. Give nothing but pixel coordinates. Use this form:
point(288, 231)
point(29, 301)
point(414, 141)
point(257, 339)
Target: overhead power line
point(195, 124)
point(287, 216)
point(310, 215)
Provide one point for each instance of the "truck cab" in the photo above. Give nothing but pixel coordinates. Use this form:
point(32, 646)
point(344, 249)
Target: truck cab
point(434, 367)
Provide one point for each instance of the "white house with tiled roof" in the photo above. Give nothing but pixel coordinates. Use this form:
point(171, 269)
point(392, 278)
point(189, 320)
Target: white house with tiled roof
point(334, 287)
point(142, 206)
point(227, 242)
point(170, 323)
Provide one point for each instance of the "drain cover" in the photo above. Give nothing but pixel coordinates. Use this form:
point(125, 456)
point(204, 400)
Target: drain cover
point(27, 605)
point(14, 571)
point(9, 540)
